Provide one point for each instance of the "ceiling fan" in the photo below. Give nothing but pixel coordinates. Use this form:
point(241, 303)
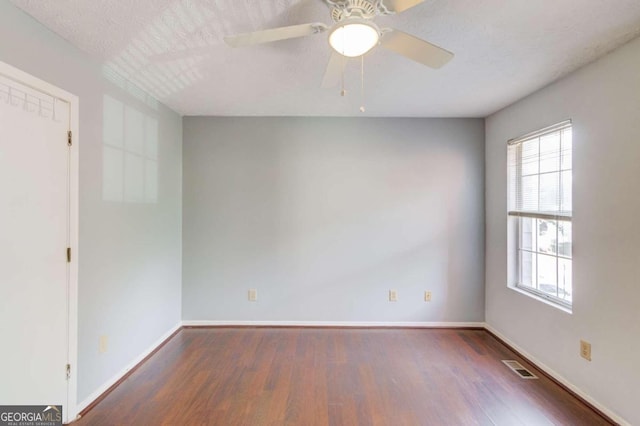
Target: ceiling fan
point(353, 34)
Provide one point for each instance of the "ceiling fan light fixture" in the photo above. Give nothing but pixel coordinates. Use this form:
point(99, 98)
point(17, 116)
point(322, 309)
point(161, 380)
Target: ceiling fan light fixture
point(353, 39)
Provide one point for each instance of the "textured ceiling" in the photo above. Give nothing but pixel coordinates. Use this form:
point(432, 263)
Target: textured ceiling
point(505, 49)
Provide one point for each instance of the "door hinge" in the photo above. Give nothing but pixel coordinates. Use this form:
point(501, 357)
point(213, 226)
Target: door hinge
point(68, 371)
point(69, 138)
point(68, 254)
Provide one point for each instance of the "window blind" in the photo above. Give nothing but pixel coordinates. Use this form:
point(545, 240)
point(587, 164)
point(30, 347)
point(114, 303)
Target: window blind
point(540, 175)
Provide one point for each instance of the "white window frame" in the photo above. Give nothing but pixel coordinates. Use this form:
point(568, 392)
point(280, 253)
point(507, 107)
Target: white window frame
point(514, 231)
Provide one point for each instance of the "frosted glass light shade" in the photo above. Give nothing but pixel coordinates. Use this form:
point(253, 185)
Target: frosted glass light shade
point(353, 40)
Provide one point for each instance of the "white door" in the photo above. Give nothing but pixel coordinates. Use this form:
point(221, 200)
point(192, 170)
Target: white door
point(34, 234)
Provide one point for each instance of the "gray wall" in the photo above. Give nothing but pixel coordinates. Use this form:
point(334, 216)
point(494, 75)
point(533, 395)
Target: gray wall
point(130, 249)
point(603, 99)
point(324, 216)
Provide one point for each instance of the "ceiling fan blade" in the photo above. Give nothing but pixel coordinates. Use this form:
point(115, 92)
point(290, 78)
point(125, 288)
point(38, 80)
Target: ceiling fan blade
point(275, 34)
point(416, 49)
point(398, 6)
point(335, 68)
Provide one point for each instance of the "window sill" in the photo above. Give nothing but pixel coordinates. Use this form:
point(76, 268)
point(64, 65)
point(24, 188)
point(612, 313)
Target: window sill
point(544, 300)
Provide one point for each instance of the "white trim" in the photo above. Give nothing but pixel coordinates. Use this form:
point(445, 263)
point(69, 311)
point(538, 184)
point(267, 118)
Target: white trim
point(613, 416)
point(546, 300)
point(74, 205)
point(74, 120)
point(106, 385)
point(390, 324)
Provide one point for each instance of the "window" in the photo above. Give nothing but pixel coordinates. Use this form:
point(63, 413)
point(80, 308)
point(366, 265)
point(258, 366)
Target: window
point(540, 184)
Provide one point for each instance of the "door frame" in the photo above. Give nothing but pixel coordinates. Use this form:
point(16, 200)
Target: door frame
point(70, 412)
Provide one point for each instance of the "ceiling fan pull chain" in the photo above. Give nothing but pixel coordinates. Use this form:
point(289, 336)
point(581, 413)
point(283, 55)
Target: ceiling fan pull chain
point(362, 109)
point(343, 92)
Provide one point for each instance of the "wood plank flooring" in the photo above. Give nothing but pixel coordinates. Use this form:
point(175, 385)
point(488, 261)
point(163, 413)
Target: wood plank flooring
point(311, 376)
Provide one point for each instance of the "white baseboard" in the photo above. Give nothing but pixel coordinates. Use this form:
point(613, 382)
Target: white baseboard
point(106, 385)
point(391, 324)
point(613, 416)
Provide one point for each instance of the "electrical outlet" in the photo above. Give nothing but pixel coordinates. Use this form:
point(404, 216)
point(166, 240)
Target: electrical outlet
point(585, 350)
point(427, 296)
point(253, 295)
point(393, 295)
point(103, 344)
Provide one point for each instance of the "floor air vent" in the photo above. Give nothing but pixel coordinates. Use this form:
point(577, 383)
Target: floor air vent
point(519, 369)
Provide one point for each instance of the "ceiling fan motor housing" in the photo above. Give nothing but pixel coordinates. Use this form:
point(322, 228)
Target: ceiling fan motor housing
point(352, 9)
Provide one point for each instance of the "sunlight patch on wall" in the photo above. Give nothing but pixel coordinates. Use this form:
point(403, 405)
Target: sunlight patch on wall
point(129, 155)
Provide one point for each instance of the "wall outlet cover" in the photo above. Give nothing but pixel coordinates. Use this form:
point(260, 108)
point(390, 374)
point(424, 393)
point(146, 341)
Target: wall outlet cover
point(103, 344)
point(253, 295)
point(585, 350)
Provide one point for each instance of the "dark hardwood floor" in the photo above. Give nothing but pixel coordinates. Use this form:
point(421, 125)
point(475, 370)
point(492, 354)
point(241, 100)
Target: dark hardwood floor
point(309, 376)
